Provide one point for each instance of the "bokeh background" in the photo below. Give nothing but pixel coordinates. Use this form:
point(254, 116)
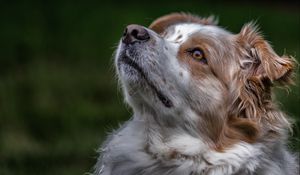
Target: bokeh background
point(58, 91)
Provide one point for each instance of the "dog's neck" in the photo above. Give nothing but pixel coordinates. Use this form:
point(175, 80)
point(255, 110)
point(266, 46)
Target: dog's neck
point(177, 135)
point(176, 138)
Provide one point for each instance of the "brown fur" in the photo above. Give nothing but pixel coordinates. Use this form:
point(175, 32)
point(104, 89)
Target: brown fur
point(160, 24)
point(251, 113)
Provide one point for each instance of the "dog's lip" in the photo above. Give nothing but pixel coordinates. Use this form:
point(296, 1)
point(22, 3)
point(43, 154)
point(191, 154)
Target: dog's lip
point(128, 61)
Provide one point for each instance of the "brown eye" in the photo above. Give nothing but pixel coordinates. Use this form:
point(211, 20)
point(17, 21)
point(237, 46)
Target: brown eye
point(198, 55)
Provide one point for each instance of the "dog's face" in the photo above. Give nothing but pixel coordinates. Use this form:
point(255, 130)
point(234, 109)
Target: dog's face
point(186, 63)
point(172, 68)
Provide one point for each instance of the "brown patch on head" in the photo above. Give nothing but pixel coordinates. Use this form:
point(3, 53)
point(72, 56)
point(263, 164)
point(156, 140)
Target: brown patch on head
point(252, 114)
point(264, 68)
point(222, 132)
point(265, 62)
point(197, 70)
point(250, 111)
point(162, 23)
point(217, 56)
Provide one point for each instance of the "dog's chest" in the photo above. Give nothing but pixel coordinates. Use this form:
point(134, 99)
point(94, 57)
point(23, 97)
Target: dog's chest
point(126, 153)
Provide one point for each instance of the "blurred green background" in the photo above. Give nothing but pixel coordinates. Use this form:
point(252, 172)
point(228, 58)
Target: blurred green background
point(58, 92)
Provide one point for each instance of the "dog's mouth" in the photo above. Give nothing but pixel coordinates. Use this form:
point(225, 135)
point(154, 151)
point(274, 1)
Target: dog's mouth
point(164, 99)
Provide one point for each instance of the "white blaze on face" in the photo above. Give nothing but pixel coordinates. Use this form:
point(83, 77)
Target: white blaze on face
point(181, 32)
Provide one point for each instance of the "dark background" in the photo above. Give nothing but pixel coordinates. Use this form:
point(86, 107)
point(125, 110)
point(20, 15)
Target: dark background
point(58, 91)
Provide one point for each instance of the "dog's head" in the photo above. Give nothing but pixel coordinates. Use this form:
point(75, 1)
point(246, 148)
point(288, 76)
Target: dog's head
point(187, 67)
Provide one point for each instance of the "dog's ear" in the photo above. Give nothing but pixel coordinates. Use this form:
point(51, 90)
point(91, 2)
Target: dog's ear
point(160, 24)
point(259, 59)
point(261, 67)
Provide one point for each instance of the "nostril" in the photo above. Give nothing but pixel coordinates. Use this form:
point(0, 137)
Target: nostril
point(140, 34)
point(134, 33)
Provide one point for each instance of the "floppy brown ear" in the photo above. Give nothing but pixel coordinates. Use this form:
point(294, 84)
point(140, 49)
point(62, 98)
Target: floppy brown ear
point(160, 24)
point(264, 62)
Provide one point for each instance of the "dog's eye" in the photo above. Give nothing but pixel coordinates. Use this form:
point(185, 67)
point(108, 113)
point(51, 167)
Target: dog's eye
point(198, 55)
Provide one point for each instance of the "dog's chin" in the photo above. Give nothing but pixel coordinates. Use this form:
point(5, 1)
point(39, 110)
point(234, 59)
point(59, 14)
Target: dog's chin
point(129, 70)
point(130, 76)
point(133, 75)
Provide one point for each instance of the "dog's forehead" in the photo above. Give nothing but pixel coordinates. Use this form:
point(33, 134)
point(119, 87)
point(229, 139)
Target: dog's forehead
point(179, 33)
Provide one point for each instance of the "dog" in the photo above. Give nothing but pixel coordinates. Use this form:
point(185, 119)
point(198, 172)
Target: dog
point(202, 102)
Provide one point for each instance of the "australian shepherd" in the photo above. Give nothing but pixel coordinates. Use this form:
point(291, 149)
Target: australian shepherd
point(202, 102)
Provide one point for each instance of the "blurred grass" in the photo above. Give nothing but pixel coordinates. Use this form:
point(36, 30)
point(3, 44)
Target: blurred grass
point(58, 93)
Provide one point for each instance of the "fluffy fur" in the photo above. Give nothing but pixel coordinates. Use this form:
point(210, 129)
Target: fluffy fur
point(195, 118)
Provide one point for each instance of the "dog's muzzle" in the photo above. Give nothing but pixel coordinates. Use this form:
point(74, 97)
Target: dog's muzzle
point(132, 37)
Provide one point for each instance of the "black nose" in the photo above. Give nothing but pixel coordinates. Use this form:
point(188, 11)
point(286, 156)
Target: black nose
point(134, 33)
